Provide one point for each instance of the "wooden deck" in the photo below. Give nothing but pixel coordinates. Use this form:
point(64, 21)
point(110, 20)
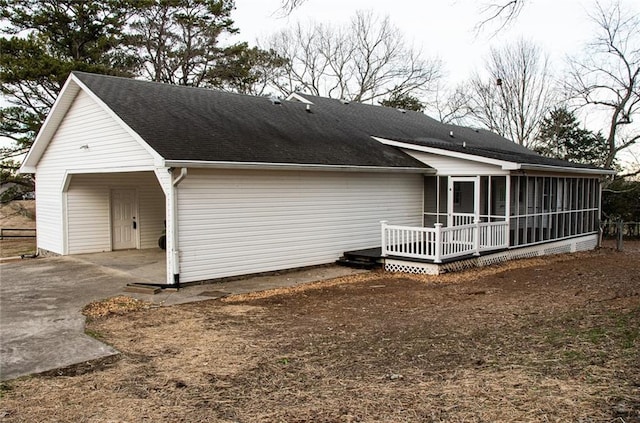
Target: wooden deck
point(374, 255)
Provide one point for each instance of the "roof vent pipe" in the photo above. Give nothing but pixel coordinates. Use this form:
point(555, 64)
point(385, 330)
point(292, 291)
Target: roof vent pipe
point(451, 134)
point(308, 109)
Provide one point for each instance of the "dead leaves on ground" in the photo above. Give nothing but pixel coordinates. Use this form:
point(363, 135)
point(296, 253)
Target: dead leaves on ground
point(114, 306)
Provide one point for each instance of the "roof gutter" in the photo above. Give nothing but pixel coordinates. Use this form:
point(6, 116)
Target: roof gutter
point(294, 166)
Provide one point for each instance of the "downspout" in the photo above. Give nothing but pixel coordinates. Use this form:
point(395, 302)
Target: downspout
point(175, 250)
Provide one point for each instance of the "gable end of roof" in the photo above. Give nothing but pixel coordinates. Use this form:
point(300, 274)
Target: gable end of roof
point(56, 115)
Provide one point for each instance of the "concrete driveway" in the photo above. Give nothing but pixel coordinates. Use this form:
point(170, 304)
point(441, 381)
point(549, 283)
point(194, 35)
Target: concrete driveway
point(41, 325)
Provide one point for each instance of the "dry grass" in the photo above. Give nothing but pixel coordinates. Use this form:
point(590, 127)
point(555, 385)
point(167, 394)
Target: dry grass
point(114, 306)
point(17, 246)
point(552, 339)
point(17, 214)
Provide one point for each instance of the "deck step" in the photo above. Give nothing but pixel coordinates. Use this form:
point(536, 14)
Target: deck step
point(359, 262)
point(141, 289)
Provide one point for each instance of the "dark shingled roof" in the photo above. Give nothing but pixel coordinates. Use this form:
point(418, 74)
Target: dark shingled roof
point(419, 129)
point(195, 124)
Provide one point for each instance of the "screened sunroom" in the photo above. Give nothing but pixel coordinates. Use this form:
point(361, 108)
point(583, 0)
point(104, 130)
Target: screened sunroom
point(544, 208)
point(540, 208)
point(473, 215)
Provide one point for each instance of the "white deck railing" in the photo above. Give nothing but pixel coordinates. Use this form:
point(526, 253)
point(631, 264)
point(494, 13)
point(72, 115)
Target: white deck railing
point(460, 219)
point(440, 243)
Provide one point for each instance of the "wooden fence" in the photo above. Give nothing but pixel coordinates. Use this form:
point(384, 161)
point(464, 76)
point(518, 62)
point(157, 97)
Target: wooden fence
point(17, 233)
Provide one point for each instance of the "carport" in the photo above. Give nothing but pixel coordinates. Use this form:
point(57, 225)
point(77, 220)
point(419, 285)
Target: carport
point(120, 212)
point(113, 211)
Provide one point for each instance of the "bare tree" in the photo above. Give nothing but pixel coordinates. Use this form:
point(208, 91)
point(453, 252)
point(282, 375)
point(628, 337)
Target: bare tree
point(515, 93)
point(501, 13)
point(364, 61)
point(607, 76)
point(289, 5)
point(451, 106)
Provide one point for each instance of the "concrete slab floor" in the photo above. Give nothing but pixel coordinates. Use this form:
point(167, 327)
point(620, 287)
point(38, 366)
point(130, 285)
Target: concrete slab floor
point(41, 325)
point(148, 266)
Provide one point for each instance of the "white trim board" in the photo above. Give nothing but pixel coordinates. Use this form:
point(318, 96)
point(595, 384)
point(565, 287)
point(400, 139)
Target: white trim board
point(505, 165)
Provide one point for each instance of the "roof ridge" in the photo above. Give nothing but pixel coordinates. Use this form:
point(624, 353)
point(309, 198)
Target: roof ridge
point(167, 84)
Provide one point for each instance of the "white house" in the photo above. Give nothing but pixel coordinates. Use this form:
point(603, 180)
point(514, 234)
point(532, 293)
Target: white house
point(250, 184)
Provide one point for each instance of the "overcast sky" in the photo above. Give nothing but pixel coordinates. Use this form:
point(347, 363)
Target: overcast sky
point(442, 28)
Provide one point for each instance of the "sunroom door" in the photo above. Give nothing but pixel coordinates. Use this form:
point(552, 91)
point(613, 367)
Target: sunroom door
point(464, 193)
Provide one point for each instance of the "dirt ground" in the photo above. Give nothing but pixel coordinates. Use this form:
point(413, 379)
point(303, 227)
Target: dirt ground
point(18, 214)
point(553, 339)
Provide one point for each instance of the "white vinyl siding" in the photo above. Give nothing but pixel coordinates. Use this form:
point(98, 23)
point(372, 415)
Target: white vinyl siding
point(109, 146)
point(454, 166)
point(242, 222)
point(49, 229)
point(88, 205)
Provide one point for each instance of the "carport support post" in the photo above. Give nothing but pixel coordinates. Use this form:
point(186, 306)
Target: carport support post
point(175, 249)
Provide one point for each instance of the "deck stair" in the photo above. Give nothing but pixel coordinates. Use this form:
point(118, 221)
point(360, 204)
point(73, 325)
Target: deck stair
point(362, 259)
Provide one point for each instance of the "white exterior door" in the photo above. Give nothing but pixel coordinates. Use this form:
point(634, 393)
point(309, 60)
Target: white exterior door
point(463, 200)
point(123, 219)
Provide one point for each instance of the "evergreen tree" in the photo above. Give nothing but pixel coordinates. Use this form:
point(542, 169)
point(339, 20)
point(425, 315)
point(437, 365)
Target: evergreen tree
point(44, 40)
point(621, 200)
point(562, 137)
point(172, 41)
point(178, 42)
point(404, 101)
point(247, 70)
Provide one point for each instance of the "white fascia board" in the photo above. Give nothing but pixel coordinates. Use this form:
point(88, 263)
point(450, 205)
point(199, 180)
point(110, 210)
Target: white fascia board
point(50, 126)
point(24, 168)
point(549, 168)
point(505, 165)
point(158, 159)
point(443, 152)
point(297, 97)
point(294, 166)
